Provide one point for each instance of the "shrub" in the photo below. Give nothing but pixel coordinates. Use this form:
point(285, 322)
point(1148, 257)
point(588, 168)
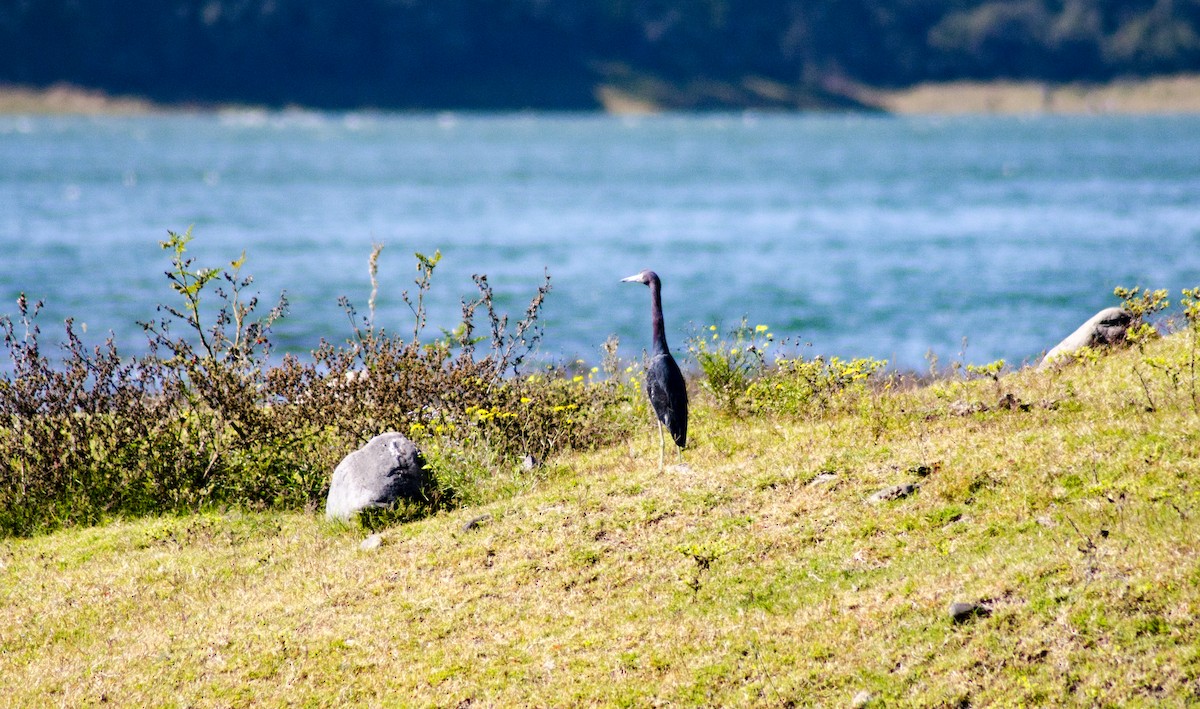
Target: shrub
point(807, 387)
point(1142, 304)
point(1191, 313)
point(735, 370)
point(95, 435)
point(205, 418)
point(730, 364)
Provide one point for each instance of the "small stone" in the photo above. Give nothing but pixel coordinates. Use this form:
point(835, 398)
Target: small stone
point(822, 479)
point(861, 699)
point(961, 612)
point(1010, 402)
point(475, 522)
point(924, 471)
point(372, 542)
point(529, 463)
point(963, 408)
point(894, 492)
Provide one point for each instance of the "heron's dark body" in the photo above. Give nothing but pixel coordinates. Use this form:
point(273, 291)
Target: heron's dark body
point(662, 378)
point(664, 382)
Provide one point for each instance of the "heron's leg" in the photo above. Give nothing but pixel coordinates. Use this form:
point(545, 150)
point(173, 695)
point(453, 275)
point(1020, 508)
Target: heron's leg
point(662, 446)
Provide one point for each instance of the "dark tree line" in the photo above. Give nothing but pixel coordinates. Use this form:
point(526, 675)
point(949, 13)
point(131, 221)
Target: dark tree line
point(553, 53)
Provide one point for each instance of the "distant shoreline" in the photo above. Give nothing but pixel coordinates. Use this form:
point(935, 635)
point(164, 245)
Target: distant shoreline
point(1171, 94)
point(67, 99)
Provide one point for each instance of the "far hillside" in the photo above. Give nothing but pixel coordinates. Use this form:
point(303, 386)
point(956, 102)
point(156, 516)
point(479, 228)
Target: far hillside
point(506, 54)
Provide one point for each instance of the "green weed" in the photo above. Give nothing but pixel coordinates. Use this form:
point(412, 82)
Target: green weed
point(729, 364)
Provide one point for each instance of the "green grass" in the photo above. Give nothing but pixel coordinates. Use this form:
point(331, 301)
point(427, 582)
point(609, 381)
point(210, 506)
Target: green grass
point(736, 580)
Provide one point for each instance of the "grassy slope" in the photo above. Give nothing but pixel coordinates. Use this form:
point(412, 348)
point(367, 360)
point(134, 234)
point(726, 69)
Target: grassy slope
point(732, 582)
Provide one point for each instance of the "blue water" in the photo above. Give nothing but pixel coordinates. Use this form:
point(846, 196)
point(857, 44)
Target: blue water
point(874, 236)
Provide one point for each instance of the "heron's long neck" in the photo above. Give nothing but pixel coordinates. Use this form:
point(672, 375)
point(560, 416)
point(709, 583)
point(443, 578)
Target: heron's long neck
point(656, 320)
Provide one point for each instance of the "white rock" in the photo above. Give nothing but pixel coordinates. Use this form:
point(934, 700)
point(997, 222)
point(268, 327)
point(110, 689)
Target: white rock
point(1106, 327)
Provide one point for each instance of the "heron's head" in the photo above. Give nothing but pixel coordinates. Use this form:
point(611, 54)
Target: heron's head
point(645, 277)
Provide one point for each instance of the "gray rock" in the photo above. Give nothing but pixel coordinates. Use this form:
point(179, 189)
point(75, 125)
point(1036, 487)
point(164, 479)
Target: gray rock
point(822, 479)
point(961, 612)
point(861, 699)
point(372, 542)
point(894, 492)
point(388, 468)
point(964, 408)
point(475, 522)
point(1106, 327)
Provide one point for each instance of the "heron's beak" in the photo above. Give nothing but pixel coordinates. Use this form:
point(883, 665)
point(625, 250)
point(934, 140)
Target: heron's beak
point(635, 278)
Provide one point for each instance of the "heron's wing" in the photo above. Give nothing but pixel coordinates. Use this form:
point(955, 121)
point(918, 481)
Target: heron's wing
point(668, 396)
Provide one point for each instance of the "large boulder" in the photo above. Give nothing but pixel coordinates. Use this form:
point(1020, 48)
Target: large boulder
point(388, 468)
point(1106, 327)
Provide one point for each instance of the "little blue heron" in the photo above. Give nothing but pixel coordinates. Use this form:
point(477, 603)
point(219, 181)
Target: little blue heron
point(664, 381)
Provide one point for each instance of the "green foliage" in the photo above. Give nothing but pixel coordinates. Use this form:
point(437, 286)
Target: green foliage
point(425, 266)
point(1191, 306)
point(234, 337)
point(730, 364)
point(1165, 380)
point(990, 370)
point(1142, 304)
point(1190, 301)
point(800, 387)
point(96, 434)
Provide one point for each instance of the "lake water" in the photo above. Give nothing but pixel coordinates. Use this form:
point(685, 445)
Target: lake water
point(873, 236)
